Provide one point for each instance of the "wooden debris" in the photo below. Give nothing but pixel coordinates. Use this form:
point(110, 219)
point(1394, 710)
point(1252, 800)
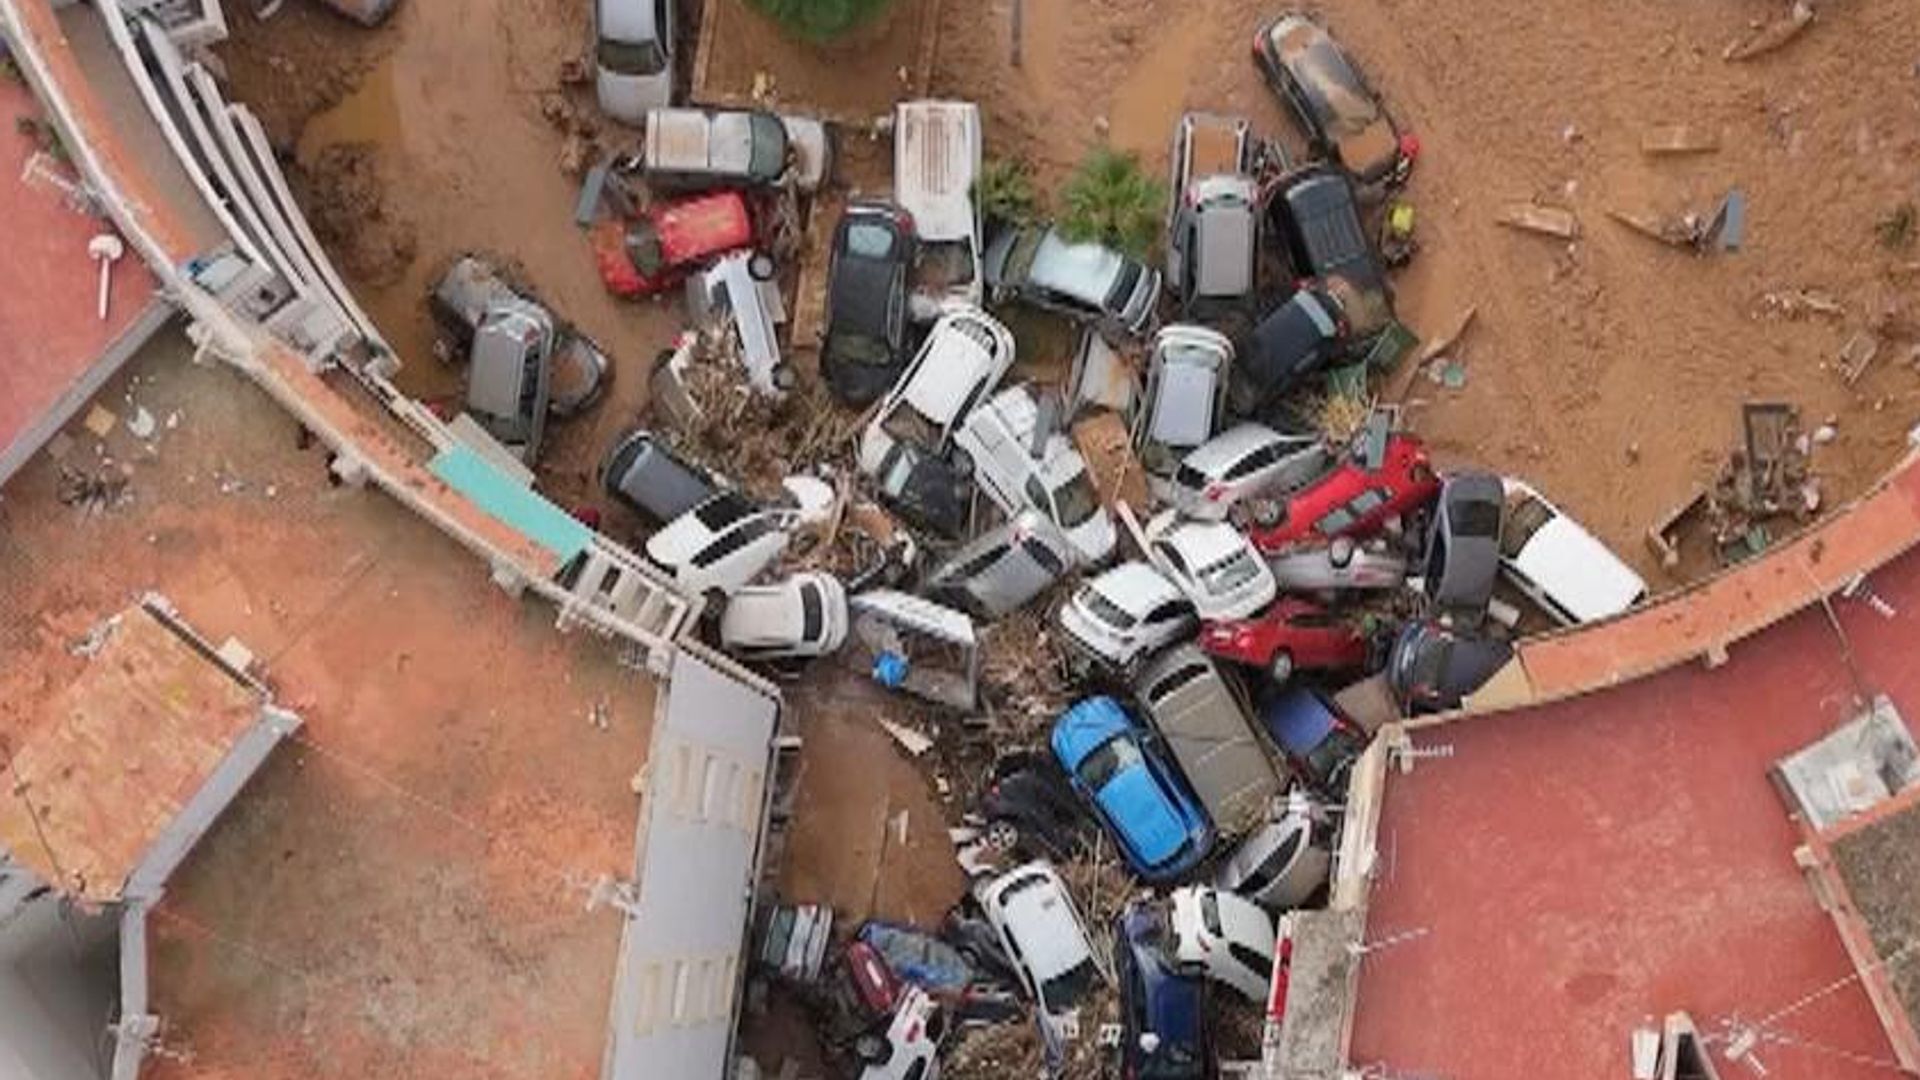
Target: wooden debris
point(913, 742)
point(1856, 355)
point(1663, 537)
point(1545, 220)
point(1793, 303)
point(1448, 340)
point(1108, 449)
point(1773, 35)
point(1670, 139)
point(1672, 232)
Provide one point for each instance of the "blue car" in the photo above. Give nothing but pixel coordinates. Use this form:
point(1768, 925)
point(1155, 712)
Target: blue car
point(1320, 744)
point(1141, 798)
point(1163, 1013)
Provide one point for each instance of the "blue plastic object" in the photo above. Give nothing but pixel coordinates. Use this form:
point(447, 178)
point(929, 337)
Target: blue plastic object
point(890, 670)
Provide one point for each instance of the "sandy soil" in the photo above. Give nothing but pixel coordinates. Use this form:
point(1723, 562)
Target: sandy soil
point(1584, 357)
point(1881, 866)
point(401, 891)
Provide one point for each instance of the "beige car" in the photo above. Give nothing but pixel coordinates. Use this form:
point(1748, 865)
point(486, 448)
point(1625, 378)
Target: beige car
point(1207, 727)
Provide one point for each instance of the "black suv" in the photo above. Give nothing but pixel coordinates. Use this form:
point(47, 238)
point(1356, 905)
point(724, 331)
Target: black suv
point(1317, 216)
point(866, 343)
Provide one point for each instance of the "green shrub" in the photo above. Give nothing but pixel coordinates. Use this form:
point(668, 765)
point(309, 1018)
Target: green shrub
point(821, 20)
point(1005, 192)
point(1111, 199)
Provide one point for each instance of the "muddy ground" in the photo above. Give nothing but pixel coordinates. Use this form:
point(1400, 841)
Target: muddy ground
point(1608, 371)
point(1881, 866)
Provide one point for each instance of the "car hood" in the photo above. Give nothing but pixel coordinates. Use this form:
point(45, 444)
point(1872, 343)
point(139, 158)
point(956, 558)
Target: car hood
point(1143, 816)
point(1588, 579)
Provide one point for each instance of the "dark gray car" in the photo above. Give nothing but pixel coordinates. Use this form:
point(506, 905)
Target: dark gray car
point(643, 473)
point(1433, 667)
point(1463, 547)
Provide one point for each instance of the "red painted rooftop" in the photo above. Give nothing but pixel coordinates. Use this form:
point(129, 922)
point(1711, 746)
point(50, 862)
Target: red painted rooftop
point(50, 333)
point(1579, 867)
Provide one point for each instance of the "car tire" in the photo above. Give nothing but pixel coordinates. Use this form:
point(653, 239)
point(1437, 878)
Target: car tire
point(1003, 835)
point(1280, 668)
point(761, 266)
point(1265, 513)
point(872, 1049)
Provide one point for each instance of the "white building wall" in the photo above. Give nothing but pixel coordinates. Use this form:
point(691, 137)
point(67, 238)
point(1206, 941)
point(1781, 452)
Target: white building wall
point(700, 827)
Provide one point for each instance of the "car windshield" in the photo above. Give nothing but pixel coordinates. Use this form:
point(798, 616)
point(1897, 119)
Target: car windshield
point(944, 264)
point(1076, 501)
point(906, 425)
point(722, 510)
point(1020, 259)
point(1525, 516)
point(1330, 759)
point(1431, 663)
point(644, 251)
point(1107, 761)
point(1106, 610)
point(1122, 290)
point(1069, 986)
point(1230, 573)
point(1476, 519)
point(858, 348)
point(633, 57)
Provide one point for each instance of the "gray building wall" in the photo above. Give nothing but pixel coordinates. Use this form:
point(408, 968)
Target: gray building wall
point(59, 983)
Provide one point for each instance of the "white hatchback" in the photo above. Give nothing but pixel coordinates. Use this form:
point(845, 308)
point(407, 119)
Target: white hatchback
point(1125, 615)
point(1033, 916)
point(728, 540)
point(1213, 563)
point(1225, 937)
point(1241, 462)
point(963, 358)
point(803, 616)
point(998, 440)
point(1559, 565)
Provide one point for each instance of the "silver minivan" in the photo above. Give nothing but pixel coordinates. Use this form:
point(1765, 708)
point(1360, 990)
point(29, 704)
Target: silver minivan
point(1005, 568)
point(1185, 398)
point(1213, 227)
point(1206, 725)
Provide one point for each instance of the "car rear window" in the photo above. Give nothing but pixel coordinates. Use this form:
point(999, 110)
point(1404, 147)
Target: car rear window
point(1043, 555)
point(1075, 501)
point(1271, 866)
point(869, 241)
point(1106, 610)
point(1231, 572)
point(1191, 478)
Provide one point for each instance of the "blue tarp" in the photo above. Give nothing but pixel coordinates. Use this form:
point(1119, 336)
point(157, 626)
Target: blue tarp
point(512, 504)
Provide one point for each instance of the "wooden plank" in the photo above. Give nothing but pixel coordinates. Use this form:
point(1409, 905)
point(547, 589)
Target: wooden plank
point(1545, 220)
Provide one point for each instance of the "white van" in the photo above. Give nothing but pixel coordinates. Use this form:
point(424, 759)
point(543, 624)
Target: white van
point(999, 436)
point(936, 159)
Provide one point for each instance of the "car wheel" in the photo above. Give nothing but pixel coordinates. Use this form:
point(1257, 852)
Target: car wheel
point(761, 266)
point(1280, 668)
point(784, 379)
point(1003, 835)
point(872, 1049)
point(1265, 513)
point(962, 462)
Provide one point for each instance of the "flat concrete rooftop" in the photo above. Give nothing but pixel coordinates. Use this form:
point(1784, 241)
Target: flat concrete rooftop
point(401, 891)
point(1574, 869)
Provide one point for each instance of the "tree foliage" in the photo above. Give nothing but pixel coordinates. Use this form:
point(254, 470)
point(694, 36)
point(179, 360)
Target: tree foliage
point(821, 20)
point(1111, 199)
point(1005, 192)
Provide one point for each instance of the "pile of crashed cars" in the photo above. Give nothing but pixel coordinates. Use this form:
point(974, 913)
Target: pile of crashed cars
point(1286, 593)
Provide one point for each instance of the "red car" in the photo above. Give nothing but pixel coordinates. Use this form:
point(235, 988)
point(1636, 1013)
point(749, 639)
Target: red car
point(671, 240)
point(1291, 635)
point(1352, 500)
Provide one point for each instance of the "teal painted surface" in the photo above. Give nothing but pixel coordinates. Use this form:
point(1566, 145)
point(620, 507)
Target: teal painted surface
point(515, 506)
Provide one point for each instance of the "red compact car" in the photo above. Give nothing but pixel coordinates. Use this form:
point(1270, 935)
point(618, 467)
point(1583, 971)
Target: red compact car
point(1292, 635)
point(668, 242)
point(1352, 500)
